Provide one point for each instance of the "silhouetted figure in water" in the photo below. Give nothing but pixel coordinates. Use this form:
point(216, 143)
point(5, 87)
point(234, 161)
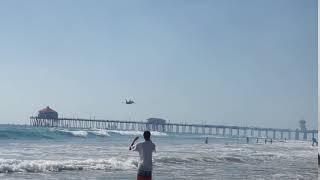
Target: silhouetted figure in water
point(257, 140)
point(271, 141)
point(247, 140)
point(285, 139)
point(318, 159)
point(265, 140)
point(206, 141)
point(314, 141)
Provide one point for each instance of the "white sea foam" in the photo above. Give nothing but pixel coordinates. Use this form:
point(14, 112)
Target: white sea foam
point(137, 133)
point(125, 132)
point(77, 133)
point(157, 133)
point(286, 176)
point(99, 132)
point(7, 166)
point(103, 132)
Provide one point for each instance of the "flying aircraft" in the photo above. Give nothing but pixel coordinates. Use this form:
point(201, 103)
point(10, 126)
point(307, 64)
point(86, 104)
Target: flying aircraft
point(129, 102)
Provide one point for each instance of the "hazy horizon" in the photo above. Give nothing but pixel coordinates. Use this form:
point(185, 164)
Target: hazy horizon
point(246, 63)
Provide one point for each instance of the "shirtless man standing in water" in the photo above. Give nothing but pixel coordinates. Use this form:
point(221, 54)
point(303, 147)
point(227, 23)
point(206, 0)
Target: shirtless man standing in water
point(145, 150)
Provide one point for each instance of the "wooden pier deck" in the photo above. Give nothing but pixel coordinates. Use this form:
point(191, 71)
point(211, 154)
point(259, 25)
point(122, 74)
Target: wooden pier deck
point(237, 131)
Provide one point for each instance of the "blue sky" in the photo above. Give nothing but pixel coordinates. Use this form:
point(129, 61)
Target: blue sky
point(227, 62)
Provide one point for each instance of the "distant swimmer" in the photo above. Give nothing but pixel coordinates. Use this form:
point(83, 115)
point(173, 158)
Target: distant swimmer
point(145, 150)
point(247, 140)
point(314, 141)
point(206, 141)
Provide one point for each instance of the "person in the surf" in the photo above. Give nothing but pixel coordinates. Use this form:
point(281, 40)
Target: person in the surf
point(314, 141)
point(206, 140)
point(145, 150)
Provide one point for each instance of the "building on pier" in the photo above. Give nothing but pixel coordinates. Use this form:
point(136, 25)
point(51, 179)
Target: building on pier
point(302, 124)
point(156, 124)
point(303, 128)
point(47, 113)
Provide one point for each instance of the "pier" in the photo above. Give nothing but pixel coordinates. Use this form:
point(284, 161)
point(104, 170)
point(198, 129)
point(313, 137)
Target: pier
point(222, 130)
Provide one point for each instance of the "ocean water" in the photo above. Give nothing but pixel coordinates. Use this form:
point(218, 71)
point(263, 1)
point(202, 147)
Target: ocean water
point(54, 153)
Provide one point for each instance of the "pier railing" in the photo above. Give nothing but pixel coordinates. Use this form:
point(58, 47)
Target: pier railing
point(238, 131)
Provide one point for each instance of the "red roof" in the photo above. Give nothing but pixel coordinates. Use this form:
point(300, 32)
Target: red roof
point(46, 110)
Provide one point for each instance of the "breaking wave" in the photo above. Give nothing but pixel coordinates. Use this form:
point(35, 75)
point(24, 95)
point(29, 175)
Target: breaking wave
point(9, 166)
point(137, 133)
point(28, 132)
point(75, 133)
point(99, 132)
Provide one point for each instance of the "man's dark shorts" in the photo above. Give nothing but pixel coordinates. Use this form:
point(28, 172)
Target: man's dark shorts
point(144, 175)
